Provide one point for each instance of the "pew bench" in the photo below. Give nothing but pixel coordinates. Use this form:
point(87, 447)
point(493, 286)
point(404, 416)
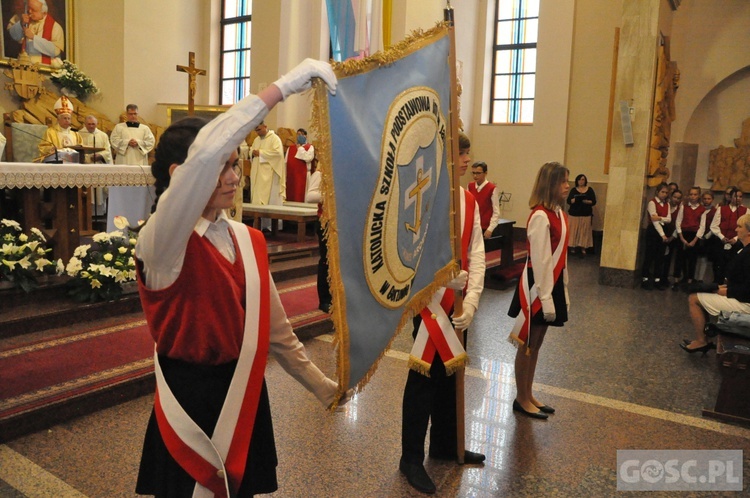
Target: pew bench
point(299, 212)
point(732, 402)
point(502, 239)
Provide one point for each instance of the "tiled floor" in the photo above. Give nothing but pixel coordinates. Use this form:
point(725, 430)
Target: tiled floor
point(615, 375)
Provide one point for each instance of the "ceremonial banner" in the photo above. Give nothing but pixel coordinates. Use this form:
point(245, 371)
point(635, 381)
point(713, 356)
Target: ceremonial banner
point(387, 202)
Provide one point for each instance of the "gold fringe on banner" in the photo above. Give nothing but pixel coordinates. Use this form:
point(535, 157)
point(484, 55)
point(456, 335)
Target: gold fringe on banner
point(320, 126)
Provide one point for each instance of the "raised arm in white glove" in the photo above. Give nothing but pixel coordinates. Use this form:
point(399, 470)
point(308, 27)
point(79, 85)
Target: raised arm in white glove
point(548, 308)
point(463, 321)
point(299, 79)
point(459, 282)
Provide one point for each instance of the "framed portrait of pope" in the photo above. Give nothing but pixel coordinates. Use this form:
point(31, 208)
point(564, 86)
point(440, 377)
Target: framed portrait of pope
point(42, 29)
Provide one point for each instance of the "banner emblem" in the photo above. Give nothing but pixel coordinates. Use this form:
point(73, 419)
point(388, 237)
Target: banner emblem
point(412, 152)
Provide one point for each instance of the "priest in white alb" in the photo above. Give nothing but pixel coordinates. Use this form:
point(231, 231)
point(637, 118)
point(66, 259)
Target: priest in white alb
point(268, 173)
point(131, 141)
point(92, 136)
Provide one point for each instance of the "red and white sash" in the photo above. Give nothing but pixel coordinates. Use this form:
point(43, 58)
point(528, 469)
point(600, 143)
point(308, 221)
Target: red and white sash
point(218, 463)
point(436, 333)
point(529, 297)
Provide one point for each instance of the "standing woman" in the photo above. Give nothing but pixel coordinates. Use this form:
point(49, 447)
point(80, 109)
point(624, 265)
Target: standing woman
point(581, 200)
point(541, 298)
point(214, 313)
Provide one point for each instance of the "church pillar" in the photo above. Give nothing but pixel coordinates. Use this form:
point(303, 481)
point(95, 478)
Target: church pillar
point(626, 195)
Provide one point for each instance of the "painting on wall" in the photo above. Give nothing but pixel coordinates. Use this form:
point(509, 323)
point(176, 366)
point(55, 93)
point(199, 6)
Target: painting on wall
point(176, 112)
point(43, 28)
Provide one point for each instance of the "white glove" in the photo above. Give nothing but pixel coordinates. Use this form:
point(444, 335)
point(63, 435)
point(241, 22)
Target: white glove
point(548, 308)
point(459, 282)
point(298, 79)
point(463, 321)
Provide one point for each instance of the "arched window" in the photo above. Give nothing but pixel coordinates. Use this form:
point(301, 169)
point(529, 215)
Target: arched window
point(236, 17)
point(514, 61)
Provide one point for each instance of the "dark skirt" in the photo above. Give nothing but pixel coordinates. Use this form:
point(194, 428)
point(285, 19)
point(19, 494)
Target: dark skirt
point(558, 297)
point(201, 391)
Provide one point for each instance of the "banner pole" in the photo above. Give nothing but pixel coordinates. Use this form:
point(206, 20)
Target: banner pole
point(458, 302)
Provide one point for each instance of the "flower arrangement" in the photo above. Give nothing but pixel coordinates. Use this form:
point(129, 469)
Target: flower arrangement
point(24, 257)
point(99, 270)
point(72, 81)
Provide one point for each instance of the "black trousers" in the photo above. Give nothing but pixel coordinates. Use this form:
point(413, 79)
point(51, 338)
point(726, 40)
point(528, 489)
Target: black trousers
point(654, 256)
point(686, 258)
point(428, 399)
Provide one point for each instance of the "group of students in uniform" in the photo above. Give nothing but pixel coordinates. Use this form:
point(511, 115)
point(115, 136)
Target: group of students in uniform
point(214, 313)
point(686, 236)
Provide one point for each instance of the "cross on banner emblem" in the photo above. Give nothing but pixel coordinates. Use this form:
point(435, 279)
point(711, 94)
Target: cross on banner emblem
point(192, 73)
point(414, 195)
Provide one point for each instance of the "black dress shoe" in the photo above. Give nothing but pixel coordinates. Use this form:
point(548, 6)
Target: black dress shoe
point(417, 476)
point(470, 457)
point(518, 408)
point(701, 349)
point(546, 409)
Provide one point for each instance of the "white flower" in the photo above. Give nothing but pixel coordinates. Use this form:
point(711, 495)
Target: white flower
point(74, 266)
point(95, 284)
point(101, 237)
point(116, 234)
point(24, 263)
point(39, 234)
point(121, 276)
point(12, 224)
point(121, 222)
point(41, 263)
point(10, 263)
point(33, 246)
point(131, 262)
point(41, 251)
point(8, 249)
point(81, 251)
point(122, 250)
point(132, 241)
point(108, 257)
point(23, 237)
point(60, 268)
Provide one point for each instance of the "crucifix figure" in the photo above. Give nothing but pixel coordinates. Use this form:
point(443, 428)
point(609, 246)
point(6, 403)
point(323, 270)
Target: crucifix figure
point(192, 73)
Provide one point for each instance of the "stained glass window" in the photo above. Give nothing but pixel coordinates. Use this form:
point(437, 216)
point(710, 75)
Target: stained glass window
point(514, 62)
point(236, 26)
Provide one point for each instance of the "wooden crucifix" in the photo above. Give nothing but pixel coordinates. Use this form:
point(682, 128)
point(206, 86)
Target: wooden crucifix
point(192, 73)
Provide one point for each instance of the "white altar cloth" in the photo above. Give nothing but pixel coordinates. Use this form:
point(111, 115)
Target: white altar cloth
point(131, 192)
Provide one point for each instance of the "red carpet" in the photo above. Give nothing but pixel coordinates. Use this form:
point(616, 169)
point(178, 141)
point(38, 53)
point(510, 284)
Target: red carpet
point(39, 380)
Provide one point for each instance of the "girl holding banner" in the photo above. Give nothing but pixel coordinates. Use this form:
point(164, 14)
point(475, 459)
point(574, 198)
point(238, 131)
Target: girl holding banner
point(541, 298)
point(214, 312)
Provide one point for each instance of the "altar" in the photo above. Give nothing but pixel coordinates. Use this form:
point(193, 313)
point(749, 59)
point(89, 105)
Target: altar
point(58, 215)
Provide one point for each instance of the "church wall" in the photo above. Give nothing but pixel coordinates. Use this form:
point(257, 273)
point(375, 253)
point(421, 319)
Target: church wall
point(266, 47)
point(717, 120)
point(591, 74)
point(158, 37)
point(709, 43)
point(102, 61)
